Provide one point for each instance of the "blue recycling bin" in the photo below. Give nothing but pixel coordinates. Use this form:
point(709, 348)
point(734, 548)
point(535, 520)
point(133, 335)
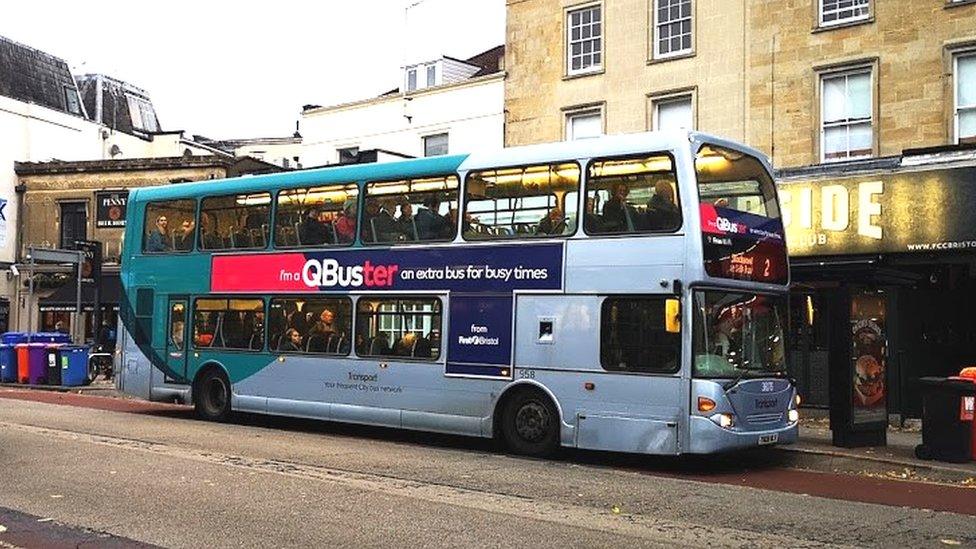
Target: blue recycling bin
point(74, 365)
point(8, 355)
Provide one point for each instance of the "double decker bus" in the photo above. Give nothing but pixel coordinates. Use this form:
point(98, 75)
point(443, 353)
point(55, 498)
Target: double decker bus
point(625, 293)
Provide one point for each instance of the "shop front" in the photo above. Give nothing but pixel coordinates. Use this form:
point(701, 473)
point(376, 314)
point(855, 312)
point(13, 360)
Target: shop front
point(884, 279)
point(57, 309)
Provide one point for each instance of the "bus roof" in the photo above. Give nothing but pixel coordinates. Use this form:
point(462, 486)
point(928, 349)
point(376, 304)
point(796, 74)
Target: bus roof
point(611, 145)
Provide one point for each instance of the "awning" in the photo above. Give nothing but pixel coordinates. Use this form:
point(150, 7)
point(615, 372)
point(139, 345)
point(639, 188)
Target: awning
point(64, 299)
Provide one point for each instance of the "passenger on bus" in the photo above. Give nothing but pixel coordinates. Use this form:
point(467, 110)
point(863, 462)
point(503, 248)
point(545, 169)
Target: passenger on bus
point(208, 235)
point(591, 221)
point(311, 231)
point(345, 225)
point(662, 211)
point(468, 220)
point(322, 331)
point(554, 223)
point(292, 342)
point(618, 215)
point(380, 225)
point(184, 240)
point(405, 223)
point(431, 225)
point(295, 318)
point(158, 240)
point(177, 335)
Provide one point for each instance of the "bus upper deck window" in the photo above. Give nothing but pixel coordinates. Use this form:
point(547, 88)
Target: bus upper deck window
point(632, 195)
point(317, 216)
point(410, 210)
point(530, 201)
point(169, 226)
point(235, 222)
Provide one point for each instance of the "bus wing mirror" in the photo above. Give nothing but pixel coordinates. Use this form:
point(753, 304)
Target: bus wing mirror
point(672, 316)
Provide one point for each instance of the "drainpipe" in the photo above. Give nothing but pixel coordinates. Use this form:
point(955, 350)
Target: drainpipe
point(19, 190)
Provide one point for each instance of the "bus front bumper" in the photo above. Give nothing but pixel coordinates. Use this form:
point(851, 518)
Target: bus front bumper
point(708, 438)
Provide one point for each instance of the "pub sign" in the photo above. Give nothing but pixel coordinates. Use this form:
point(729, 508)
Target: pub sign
point(110, 209)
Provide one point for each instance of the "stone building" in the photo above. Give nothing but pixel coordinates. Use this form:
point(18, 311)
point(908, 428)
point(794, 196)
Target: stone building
point(65, 201)
point(867, 110)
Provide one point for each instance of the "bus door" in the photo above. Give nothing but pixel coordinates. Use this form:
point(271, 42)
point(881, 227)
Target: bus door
point(177, 329)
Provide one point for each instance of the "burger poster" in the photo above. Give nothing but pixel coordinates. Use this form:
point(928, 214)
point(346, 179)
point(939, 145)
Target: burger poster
point(868, 358)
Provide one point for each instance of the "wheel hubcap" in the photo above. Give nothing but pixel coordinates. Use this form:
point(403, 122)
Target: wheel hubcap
point(217, 396)
point(532, 421)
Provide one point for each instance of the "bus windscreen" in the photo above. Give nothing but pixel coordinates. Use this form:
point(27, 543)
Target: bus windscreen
point(743, 236)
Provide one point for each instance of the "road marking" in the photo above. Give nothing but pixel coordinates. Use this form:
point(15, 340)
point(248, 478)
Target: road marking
point(651, 529)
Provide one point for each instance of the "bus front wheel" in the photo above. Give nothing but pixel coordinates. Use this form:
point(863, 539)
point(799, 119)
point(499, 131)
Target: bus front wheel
point(212, 396)
point(530, 424)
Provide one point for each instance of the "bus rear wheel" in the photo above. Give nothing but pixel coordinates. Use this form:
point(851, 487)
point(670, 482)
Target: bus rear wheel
point(530, 424)
point(211, 396)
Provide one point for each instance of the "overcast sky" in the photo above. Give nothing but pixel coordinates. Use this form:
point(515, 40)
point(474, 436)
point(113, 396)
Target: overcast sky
point(229, 69)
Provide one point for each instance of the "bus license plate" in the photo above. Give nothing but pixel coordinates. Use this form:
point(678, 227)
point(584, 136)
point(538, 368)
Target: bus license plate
point(768, 439)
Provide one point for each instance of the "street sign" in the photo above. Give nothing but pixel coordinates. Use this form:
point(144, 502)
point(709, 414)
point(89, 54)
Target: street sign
point(47, 255)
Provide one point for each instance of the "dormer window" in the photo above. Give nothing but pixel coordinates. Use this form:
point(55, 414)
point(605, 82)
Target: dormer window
point(411, 79)
point(141, 114)
point(431, 75)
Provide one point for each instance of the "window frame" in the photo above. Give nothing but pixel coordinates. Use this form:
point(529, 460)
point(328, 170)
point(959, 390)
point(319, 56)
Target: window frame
point(366, 196)
point(447, 143)
point(580, 184)
point(846, 72)
point(398, 298)
point(431, 74)
point(194, 246)
point(569, 42)
point(274, 213)
point(842, 22)
point(662, 298)
point(339, 151)
point(411, 72)
point(677, 189)
point(956, 109)
point(269, 239)
point(656, 24)
point(229, 297)
point(657, 101)
point(310, 297)
point(579, 112)
point(84, 210)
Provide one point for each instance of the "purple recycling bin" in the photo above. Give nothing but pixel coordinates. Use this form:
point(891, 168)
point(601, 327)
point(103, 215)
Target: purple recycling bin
point(37, 363)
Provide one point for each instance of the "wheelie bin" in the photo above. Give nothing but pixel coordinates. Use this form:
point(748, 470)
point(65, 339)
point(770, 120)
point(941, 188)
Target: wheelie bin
point(49, 337)
point(74, 365)
point(947, 431)
point(969, 406)
point(52, 358)
point(31, 367)
point(8, 355)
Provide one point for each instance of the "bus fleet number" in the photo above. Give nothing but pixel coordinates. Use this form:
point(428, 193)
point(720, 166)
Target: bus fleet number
point(526, 374)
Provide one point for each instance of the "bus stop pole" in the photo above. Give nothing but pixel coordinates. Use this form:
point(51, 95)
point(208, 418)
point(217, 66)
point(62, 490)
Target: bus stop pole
point(77, 324)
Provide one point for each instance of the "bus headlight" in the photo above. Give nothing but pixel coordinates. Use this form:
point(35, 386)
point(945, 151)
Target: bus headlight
point(726, 421)
point(793, 416)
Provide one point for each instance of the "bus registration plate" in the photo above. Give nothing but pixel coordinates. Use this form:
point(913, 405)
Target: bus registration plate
point(768, 439)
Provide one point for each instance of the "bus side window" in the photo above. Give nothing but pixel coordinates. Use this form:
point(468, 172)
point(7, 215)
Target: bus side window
point(398, 327)
point(634, 336)
point(411, 210)
point(316, 216)
point(311, 325)
point(228, 323)
point(632, 195)
point(169, 226)
point(235, 222)
point(531, 201)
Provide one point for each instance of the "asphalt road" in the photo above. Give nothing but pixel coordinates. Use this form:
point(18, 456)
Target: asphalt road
point(153, 474)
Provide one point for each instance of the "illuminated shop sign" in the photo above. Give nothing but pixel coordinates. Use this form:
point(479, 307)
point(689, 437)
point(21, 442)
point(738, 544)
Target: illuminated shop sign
point(925, 211)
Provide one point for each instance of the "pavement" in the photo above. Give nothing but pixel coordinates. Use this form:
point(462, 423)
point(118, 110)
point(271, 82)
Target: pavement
point(125, 470)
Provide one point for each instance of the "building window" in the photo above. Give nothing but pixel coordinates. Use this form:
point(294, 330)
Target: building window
point(431, 75)
point(836, 12)
point(74, 223)
point(411, 79)
point(348, 155)
point(71, 101)
point(584, 40)
point(673, 113)
point(634, 336)
point(847, 129)
point(584, 124)
point(672, 28)
point(141, 114)
point(435, 145)
point(966, 98)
